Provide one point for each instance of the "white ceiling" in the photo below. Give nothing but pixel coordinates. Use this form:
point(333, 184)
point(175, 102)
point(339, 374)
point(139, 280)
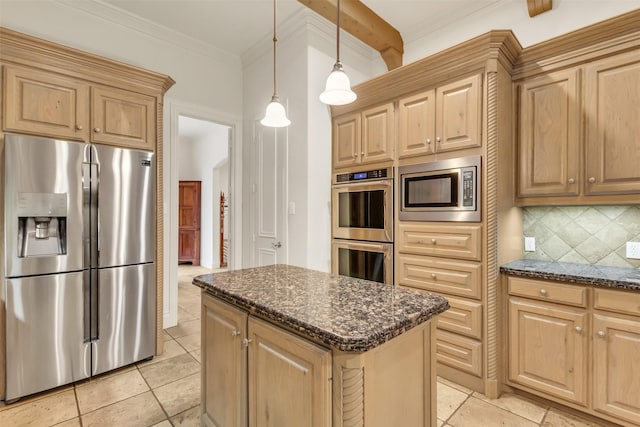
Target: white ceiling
point(237, 25)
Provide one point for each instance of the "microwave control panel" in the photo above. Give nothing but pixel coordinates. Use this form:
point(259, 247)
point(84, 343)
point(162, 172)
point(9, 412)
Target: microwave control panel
point(363, 176)
point(467, 188)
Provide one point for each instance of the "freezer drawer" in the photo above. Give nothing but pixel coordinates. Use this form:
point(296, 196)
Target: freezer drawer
point(126, 316)
point(44, 333)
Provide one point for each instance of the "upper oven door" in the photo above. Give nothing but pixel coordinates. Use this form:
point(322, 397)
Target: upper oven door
point(363, 211)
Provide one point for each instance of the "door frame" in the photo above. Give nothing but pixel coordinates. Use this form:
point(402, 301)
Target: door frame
point(172, 110)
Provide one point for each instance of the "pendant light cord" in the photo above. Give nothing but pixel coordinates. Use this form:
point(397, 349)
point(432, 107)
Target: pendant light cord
point(275, 40)
point(338, 35)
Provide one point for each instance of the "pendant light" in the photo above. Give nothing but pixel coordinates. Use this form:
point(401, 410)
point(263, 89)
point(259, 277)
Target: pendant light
point(275, 116)
point(338, 90)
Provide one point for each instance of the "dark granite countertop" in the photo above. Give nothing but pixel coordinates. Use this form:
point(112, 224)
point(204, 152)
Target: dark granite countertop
point(349, 314)
point(612, 277)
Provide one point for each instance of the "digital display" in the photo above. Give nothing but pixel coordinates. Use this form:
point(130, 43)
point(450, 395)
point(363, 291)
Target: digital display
point(360, 175)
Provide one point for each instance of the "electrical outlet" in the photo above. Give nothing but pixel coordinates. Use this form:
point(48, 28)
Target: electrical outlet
point(633, 250)
point(529, 244)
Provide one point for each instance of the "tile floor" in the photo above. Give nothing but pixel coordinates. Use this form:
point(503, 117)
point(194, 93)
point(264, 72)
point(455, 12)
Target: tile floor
point(165, 391)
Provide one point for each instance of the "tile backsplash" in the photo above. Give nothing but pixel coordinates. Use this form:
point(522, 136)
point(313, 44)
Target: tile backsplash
point(583, 234)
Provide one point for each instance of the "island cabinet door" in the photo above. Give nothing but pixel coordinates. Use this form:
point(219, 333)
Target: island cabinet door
point(224, 364)
point(289, 379)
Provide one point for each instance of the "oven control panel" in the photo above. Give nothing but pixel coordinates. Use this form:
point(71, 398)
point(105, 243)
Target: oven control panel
point(364, 175)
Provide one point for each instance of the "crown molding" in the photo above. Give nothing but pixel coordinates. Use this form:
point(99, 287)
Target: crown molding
point(136, 23)
point(298, 25)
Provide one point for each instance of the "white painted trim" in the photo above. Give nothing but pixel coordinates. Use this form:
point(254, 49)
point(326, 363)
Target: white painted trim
point(174, 109)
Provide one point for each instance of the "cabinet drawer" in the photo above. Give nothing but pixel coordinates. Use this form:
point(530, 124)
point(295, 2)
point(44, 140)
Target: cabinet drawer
point(548, 291)
point(459, 352)
point(464, 317)
point(618, 301)
point(445, 240)
point(439, 275)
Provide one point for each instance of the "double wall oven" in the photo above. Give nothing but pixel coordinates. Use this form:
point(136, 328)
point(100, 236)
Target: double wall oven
point(362, 224)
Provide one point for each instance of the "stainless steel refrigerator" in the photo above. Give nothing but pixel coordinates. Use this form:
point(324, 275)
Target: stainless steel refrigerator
point(79, 287)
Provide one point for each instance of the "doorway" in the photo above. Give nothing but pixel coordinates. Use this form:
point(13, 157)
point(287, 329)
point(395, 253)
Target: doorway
point(202, 147)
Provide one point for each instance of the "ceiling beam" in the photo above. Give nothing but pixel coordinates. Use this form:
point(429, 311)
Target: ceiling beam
point(536, 7)
point(364, 24)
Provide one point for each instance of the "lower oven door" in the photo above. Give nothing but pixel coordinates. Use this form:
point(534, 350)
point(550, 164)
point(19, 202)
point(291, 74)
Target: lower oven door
point(363, 260)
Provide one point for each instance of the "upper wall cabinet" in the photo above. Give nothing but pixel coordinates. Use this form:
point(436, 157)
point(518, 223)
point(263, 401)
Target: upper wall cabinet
point(364, 137)
point(62, 107)
point(445, 119)
point(558, 162)
point(612, 109)
point(45, 103)
point(123, 118)
point(549, 160)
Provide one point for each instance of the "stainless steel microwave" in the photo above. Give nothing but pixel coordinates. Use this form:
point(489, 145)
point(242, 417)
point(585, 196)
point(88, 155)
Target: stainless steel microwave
point(444, 190)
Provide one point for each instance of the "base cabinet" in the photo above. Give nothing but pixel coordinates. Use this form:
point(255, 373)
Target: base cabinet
point(254, 372)
point(557, 331)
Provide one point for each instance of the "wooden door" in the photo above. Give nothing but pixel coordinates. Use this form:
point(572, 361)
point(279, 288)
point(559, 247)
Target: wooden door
point(459, 114)
point(123, 118)
point(416, 124)
point(612, 109)
point(549, 138)
point(346, 140)
point(45, 104)
point(224, 364)
point(289, 379)
point(189, 222)
point(548, 349)
point(616, 362)
point(378, 134)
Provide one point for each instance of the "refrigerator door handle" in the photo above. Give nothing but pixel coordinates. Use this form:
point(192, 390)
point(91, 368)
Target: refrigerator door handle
point(95, 217)
point(86, 214)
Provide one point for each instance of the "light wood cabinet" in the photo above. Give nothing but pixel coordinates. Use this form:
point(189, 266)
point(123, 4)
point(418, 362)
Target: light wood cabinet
point(612, 109)
point(44, 103)
point(438, 239)
point(289, 379)
point(63, 107)
point(224, 364)
point(548, 348)
point(444, 119)
point(550, 117)
point(616, 364)
point(251, 368)
point(123, 118)
point(552, 345)
point(560, 164)
point(364, 137)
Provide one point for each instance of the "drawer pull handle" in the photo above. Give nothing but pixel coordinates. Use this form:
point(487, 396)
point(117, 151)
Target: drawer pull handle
point(438, 140)
point(434, 241)
point(592, 180)
point(355, 155)
point(78, 127)
point(428, 141)
point(246, 341)
point(434, 276)
point(578, 329)
point(601, 334)
point(572, 181)
point(96, 130)
point(543, 292)
point(235, 333)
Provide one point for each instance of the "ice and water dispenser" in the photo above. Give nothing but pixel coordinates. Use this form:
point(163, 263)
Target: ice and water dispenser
point(42, 224)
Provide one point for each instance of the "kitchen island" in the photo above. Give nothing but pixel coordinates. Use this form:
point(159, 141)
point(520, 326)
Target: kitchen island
point(287, 346)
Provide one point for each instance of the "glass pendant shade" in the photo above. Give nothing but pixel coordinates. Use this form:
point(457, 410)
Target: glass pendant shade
point(275, 116)
point(338, 89)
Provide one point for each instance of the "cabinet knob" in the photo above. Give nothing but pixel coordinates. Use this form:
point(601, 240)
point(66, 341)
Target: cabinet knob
point(235, 333)
point(543, 292)
point(78, 127)
point(434, 276)
point(355, 155)
point(429, 141)
point(438, 139)
point(362, 153)
point(434, 241)
point(601, 334)
point(592, 180)
point(245, 342)
point(572, 181)
point(578, 329)
point(96, 130)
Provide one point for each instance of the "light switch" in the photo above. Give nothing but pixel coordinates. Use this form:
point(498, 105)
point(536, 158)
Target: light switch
point(633, 250)
point(529, 244)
